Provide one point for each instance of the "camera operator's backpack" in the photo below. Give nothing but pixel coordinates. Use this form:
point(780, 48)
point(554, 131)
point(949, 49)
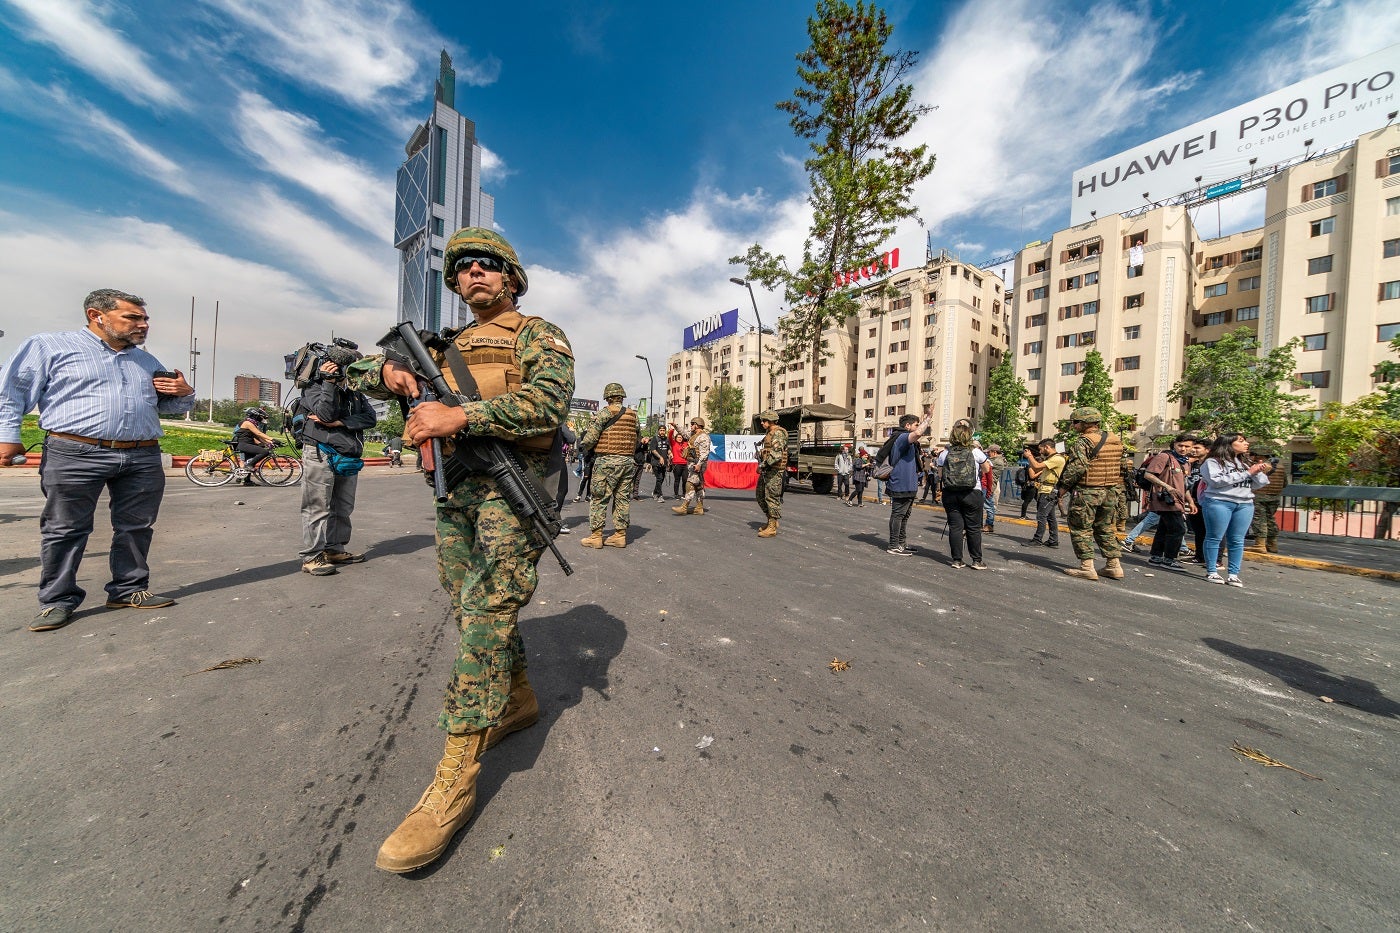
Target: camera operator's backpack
point(1140, 476)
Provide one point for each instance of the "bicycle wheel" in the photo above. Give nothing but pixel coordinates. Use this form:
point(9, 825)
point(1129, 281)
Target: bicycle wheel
point(278, 470)
point(209, 472)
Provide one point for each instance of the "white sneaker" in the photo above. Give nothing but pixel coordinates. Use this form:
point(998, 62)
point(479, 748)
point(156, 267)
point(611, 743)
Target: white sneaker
point(1214, 577)
point(1234, 580)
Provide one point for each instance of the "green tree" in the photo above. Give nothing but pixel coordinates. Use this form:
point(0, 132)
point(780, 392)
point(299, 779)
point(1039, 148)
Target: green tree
point(1096, 391)
point(852, 108)
point(1006, 414)
point(725, 406)
point(1357, 444)
point(391, 425)
point(1229, 387)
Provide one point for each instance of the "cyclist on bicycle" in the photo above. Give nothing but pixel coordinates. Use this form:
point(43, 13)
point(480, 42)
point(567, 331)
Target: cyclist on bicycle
point(254, 445)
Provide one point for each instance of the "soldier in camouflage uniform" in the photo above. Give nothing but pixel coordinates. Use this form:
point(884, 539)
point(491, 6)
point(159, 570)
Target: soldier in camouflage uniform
point(1266, 500)
point(697, 455)
point(1125, 474)
point(524, 369)
point(1093, 475)
point(612, 438)
point(772, 465)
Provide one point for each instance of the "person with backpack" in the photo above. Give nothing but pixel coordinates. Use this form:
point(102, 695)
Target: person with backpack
point(252, 441)
point(1025, 488)
point(960, 469)
point(1163, 478)
point(334, 420)
point(882, 459)
point(860, 475)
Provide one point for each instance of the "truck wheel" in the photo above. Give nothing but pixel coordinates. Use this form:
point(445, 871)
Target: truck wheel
point(821, 484)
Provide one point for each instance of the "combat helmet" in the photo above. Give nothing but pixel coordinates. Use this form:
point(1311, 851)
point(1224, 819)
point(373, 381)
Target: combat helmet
point(768, 415)
point(480, 240)
point(614, 390)
point(1087, 415)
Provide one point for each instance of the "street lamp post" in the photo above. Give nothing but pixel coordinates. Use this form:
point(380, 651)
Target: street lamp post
point(651, 397)
point(763, 399)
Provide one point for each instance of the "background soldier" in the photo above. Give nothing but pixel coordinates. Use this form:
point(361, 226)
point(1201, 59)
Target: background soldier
point(1130, 490)
point(1266, 500)
point(772, 466)
point(612, 438)
point(697, 455)
point(1092, 473)
point(486, 557)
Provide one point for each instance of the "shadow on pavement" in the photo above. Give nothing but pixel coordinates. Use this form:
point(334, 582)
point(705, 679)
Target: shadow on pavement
point(1311, 678)
point(407, 544)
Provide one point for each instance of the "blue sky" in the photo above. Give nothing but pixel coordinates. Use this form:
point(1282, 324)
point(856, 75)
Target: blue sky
point(244, 150)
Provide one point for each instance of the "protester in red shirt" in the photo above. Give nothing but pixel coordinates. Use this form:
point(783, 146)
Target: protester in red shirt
point(678, 464)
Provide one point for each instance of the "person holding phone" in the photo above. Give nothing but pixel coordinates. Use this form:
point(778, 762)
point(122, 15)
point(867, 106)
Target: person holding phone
point(100, 398)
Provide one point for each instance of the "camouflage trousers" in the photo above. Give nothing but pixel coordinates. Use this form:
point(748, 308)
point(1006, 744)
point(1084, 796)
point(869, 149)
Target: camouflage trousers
point(611, 492)
point(695, 485)
point(486, 563)
point(769, 493)
point(1092, 518)
point(1120, 513)
point(1263, 526)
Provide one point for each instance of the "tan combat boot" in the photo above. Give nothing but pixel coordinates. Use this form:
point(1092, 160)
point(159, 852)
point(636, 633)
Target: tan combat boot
point(444, 808)
point(616, 539)
point(1085, 570)
point(769, 530)
point(681, 509)
point(1112, 569)
point(699, 508)
point(522, 711)
point(1271, 546)
point(594, 539)
point(1259, 545)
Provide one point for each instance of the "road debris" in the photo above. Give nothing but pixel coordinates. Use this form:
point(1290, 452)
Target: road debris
point(1244, 751)
point(496, 852)
point(705, 741)
point(838, 665)
point(232, 662)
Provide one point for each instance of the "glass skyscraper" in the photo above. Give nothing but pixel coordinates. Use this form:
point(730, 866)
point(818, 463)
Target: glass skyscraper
point(438, 190)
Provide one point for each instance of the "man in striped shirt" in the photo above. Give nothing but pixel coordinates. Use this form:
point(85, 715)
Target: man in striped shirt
point(99, 397)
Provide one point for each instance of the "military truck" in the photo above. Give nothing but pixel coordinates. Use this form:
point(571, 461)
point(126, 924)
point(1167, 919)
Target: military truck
point(815, 436)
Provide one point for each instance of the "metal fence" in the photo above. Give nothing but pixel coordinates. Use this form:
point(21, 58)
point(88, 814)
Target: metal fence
point(1370, 512)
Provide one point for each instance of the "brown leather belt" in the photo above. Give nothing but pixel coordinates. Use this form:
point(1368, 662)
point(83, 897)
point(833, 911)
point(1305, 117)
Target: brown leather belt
point(98, 442)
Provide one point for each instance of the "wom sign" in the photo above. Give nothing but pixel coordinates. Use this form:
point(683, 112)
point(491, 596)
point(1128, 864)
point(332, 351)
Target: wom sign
point(711, 328)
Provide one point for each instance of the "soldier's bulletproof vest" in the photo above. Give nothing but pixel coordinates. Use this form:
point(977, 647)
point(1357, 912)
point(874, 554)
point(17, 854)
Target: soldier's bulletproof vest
point(1277, 480)
point(489, 350)
point(620, 437)
point(1104, 469)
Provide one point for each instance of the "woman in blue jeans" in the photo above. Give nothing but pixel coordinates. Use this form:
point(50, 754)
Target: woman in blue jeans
point(1227, 502)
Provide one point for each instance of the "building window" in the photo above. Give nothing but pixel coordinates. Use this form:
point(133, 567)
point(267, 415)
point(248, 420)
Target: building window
point(1250, 313)
point(1032, 400)
point(1315, 342)
point(870, 374)
point(976, 324)
point(930, 341)
point(870, 354)
point(1134, 271)
point(1091, 307)
point(897, 389)
point(1215, 291)
point(902, 302)
point(1319, 264)
point(1070, 283)
point(1130, 362)
point(1248, 284)
point(1317, 380)
point(1387, 332)
point(873, 331)
point(930, 298)
point(1319, 303)
point(1392, 165)
point(1066, 397)
point(928, 364)
point(1390, 291)
point(1392, 206)
point(1037, 267)
point(1035, 294)
point(1091, 278)
point(976, 347)
point(1214, 320)
point(868, 393)
point(1251, 254)
point(1069, 369)
point(1323, 227)
point(1132, 301)
point(1137, 239)
point(1215, 262)
point(1034, 347)
point(1324, 188)
point(1033, 374)
point(1390, 249)
point(972, 368)
point(1133, 332)
point(1127, 393)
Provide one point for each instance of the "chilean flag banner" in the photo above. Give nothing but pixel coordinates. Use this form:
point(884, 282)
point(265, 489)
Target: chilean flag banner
point(733, 463)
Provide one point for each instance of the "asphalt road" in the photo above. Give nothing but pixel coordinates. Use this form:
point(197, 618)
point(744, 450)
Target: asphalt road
point(1010, 750)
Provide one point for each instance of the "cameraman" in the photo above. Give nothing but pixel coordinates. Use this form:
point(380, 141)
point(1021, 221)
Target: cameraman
point(1167, 474)
point(336, 419)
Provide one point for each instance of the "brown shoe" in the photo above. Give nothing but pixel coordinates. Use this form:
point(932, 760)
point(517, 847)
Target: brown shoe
point(769, 530)
point(680, 510)
point(344, 557)
point(522, 711)
point(593, 540)
point(445, 807)
point(616, 539)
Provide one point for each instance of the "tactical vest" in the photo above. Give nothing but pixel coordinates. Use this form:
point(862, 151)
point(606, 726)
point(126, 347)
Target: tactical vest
point(1104, 469)
point(619, 438)
point(490, 352)
point(1277, 480)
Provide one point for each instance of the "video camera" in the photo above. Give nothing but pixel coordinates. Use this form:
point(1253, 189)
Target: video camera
point(304, 366)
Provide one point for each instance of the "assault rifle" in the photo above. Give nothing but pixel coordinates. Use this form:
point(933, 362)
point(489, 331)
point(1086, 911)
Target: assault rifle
point(489, 455)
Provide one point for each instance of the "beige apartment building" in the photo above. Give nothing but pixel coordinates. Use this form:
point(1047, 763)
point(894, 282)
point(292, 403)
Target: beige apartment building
point(733, 360)
point(1323, 267)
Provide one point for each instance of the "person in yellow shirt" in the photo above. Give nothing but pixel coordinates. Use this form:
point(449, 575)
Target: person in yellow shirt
point(1046, 464)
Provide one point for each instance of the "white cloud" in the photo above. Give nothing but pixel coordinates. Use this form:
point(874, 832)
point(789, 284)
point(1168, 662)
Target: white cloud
point(493, 167)
point(356, 49)
point(78, 30)
point(263, 312)
point(1326, 33)
point(294, 147)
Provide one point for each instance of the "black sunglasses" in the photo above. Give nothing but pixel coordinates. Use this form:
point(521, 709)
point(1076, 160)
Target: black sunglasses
point(487, 263)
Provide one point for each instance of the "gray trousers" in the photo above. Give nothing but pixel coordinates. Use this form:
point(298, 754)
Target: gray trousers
point(326, 503)
point(72, 476)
